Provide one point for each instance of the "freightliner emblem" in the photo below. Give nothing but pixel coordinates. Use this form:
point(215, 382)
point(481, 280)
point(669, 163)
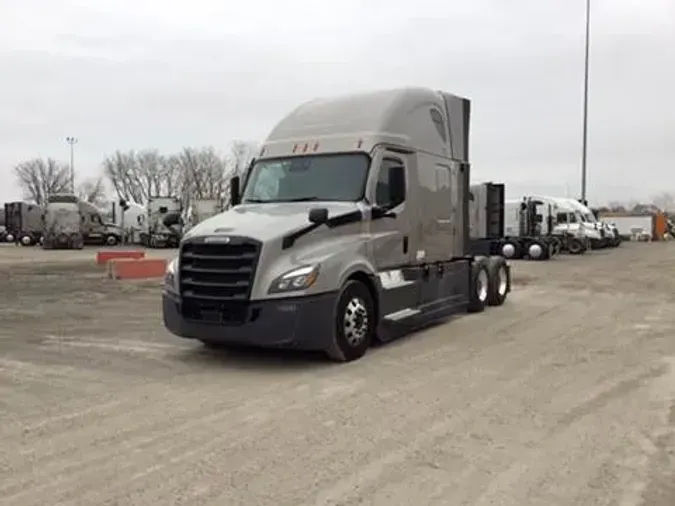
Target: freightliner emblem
point(218, 238)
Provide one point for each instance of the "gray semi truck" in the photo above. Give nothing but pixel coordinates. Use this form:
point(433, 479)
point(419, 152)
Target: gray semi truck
point(351, 226)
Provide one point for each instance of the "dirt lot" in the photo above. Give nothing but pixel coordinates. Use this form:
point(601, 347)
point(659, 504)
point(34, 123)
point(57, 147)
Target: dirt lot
point(566, 395)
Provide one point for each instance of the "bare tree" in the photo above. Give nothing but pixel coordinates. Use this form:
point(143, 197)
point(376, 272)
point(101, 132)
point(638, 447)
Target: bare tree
point(122, 171)
point(194, 173)
point(38, 178)
point(241, 154)
point(139, 176)
point(92, 191)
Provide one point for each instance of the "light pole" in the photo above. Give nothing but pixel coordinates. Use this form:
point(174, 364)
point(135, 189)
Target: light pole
point(584, 142)
point(72, 141)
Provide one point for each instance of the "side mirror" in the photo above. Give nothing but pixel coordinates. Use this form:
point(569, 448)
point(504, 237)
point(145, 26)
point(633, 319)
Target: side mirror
point(234, 191)
point(396, 181)
point(318, 215)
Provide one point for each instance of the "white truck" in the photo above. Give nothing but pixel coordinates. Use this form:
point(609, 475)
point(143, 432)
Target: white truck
point(164, 221)
point(351, 226)
point(512, 229)
point(609, 235)
point(201, 210)
point(529, 230)
point(563, 221)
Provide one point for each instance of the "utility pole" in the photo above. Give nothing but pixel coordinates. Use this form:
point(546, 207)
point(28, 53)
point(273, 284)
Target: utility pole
point(584, 145)
point(72, 141)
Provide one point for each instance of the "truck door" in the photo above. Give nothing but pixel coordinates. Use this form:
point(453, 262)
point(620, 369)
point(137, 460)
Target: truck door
point(390, 229)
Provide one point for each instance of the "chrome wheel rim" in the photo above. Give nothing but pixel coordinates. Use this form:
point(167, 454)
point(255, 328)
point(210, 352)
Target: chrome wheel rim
point(355, 323)
point(503, 280)
point(482, 285)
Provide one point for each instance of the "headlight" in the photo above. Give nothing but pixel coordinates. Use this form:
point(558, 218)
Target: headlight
point(170, 274)
point(297, 279)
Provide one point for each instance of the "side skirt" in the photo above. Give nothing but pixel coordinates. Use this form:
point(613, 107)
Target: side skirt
point(440, 290)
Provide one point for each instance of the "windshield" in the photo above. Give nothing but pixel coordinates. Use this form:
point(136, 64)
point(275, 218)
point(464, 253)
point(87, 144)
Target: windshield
point(590, 218)
point(340, 177)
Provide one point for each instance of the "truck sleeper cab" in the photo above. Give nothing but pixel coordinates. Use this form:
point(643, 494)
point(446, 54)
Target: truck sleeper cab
point(351, 226)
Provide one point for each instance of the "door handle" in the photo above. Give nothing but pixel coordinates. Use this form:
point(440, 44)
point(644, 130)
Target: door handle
point(405, 244)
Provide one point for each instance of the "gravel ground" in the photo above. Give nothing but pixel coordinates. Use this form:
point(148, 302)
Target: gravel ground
point(563, 396)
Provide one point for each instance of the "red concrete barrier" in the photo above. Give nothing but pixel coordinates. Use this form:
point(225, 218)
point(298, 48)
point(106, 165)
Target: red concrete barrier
point(104, 256)
point(142, 268)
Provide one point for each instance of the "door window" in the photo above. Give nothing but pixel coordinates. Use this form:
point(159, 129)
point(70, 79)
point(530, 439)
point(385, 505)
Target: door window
point(390, 190)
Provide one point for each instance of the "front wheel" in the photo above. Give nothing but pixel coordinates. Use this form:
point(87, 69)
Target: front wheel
point(576, 247)
point(355, 323)
point(26, 240)
point(111, 240)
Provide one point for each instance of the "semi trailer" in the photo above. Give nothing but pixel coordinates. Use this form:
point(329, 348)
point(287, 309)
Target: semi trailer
point(352, 225)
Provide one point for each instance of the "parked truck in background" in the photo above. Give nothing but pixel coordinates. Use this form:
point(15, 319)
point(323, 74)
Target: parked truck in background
point(94, 229)
point(3, 228)
point(608, 235)
point(569, 227)
point(352, 225)
point(62, 222)
point(529, 230)
point(164, 223)
point(201, 210)
point(23, 223)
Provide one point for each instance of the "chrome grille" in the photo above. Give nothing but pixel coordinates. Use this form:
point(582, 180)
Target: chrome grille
point(216, 278)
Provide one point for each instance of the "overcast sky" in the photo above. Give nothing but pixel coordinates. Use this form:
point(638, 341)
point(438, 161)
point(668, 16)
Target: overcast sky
point(121, 74)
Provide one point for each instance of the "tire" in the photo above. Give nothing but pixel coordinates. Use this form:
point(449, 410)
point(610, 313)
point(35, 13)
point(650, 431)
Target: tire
point(26, 240)
point(355, 323)
point(9, 238)
point(557, 246)
point(510, 249)
point(111, 240)
point(537, 250)
point(575, 246)
point(499, 281)
point(479, 288)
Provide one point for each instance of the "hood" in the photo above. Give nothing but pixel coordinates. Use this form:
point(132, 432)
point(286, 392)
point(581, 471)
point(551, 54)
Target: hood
point(265, 222)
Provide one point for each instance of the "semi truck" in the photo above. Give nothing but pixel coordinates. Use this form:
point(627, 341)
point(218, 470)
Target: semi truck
point(530, 230)
point(512, 229)
point(351, 226)
point(568, 226)
point(23, 223)
point(62, 222)
point(94, 229)
point(202, 209)
point(164, 223)
point(608, 235)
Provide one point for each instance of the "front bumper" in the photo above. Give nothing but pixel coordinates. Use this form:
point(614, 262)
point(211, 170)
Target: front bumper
point(305, 323)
